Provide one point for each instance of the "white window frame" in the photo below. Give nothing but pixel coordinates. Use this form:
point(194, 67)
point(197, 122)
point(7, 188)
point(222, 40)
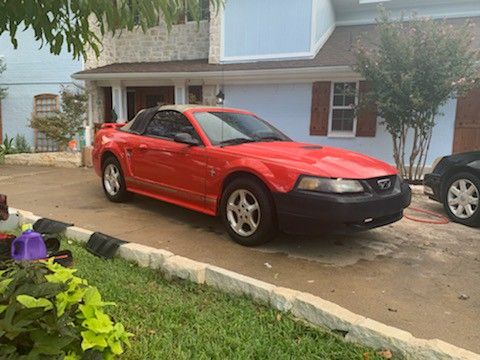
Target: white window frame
point(336, 133)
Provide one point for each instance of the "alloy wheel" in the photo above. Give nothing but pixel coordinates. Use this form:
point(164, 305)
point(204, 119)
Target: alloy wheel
point(243, 212)
point(111, 179)
point(463, 198)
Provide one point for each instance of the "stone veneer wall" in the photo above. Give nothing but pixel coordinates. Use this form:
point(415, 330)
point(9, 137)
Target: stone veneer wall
point(98, 101)
point(184, 42)
point(107, 50)
point(209, 95)
point(215, 35)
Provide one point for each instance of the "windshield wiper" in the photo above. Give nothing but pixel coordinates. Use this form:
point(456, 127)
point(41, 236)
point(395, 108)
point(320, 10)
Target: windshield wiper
point(235, 141)
point(271, 138)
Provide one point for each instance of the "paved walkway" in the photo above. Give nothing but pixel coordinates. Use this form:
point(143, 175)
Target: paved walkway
point(408, 275)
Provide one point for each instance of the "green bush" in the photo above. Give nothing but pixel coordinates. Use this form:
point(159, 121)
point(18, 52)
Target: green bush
point(21, 145)
point(7, 146)
point(46, 312)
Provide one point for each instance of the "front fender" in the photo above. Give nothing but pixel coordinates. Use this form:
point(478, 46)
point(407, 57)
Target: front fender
point(276, 178)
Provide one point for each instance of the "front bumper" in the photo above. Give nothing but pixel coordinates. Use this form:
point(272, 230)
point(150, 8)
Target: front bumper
point(305, 212)
point(431, 186)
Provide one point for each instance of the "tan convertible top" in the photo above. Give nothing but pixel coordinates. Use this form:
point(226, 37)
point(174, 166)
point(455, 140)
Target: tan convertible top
point(186, 107)
point(180, 108)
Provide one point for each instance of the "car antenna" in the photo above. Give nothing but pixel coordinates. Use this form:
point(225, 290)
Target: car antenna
point(221, 96)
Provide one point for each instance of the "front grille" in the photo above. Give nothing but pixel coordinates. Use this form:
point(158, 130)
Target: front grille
point(374, 184)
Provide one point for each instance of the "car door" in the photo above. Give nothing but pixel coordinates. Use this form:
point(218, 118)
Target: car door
point(167, 168)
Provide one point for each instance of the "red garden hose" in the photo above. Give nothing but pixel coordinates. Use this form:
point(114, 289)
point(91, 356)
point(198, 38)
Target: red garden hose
point(442, 219)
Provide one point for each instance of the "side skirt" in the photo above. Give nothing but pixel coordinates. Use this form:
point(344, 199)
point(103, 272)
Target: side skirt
point(132, 185)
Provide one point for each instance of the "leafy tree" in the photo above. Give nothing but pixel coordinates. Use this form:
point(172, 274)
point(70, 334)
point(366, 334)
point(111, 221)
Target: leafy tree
point(3, 91)
point(62, 126)
point(414, 68)
point(74, 23)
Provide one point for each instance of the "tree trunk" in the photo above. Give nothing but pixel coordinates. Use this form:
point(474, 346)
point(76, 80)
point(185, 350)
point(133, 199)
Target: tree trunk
point(399, 151)
point(422, 160)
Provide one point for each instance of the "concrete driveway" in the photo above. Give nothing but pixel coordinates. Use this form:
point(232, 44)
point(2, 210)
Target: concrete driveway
point(409, 275)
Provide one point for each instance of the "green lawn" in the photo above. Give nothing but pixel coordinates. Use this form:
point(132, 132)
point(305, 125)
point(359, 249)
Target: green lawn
point(180, 320)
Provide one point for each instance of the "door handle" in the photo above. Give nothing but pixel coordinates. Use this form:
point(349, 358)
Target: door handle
point(143, 147)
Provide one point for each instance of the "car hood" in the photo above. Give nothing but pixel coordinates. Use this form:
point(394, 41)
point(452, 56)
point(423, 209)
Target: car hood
point(315, 159)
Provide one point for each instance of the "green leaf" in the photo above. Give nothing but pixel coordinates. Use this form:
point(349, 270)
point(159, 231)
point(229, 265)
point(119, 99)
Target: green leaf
point(2, 271)
point(87, 311)
point(94, 298)
point(31, 302)
point(92, 340)
point(71, 356)
point(4, 284)
point(100, 324)
point(115, 345)
point(3, 308)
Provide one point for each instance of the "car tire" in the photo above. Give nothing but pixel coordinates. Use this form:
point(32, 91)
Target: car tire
point(113, 181)
point(248, 213)
point(461, 198)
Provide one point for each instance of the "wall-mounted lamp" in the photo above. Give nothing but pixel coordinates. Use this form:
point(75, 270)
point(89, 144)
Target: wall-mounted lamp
point(220, 98)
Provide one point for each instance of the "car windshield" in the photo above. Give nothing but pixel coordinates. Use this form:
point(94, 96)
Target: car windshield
point(230, 128)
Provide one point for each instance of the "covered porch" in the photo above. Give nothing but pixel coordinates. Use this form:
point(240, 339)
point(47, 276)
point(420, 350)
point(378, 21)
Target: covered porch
point(120, 100)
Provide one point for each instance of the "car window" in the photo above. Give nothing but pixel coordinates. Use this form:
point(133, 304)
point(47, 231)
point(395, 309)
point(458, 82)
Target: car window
point(166, 124)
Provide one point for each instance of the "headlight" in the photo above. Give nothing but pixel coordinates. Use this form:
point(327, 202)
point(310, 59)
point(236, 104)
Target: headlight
point(339, 186)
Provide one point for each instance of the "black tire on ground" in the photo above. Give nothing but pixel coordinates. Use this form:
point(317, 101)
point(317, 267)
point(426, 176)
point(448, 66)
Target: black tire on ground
point(473, 220)
point(122, 194)
point(267, 227)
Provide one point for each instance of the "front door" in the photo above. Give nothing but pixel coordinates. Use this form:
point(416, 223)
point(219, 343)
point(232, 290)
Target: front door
point(467, 123)
point(169, 169)
point(146, 97)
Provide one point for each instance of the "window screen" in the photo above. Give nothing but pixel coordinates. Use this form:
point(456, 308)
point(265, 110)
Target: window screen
point(45, 105)
point(343, 114)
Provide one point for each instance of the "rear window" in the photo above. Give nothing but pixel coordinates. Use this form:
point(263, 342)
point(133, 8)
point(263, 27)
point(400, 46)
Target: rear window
point(140, 122)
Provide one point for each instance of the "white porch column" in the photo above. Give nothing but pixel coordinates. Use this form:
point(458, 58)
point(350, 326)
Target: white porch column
point(119, 101)
point(180, 93)
point(89, 123)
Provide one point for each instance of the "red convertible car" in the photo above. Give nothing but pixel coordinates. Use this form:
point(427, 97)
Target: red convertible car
point(231, 163)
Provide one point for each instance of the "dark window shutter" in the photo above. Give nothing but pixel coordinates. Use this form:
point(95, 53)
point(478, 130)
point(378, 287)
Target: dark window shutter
point(320, 108)
point(367, 116)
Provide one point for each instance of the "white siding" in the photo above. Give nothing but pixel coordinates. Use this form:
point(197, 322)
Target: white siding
point(288, 108)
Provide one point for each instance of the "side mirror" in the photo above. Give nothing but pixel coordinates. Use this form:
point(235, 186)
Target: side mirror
point(186, 138)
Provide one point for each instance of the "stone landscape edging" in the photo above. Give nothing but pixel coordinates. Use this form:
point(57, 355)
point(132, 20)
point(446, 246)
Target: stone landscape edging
point(56, 159)
point(304, 306)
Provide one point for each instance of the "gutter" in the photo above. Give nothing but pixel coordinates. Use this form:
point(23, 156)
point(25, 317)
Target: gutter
point(310, 73)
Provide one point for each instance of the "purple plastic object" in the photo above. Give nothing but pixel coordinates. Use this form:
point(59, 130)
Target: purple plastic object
point(29, 246)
